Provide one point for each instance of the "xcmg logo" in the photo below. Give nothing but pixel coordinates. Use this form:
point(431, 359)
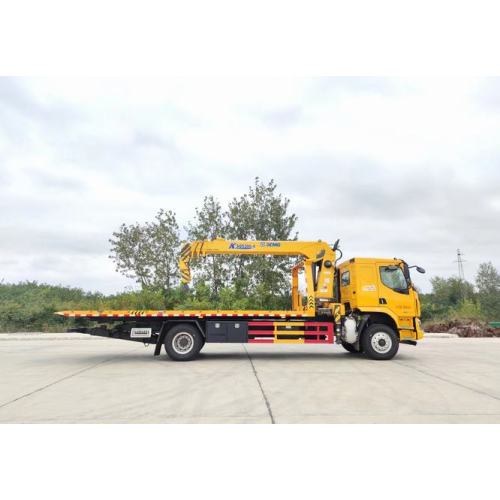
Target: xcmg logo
point(236, 246)
point(251, 246)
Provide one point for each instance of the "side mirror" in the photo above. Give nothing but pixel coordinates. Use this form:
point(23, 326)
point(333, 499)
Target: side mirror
point(421, 270)
point(336, 245)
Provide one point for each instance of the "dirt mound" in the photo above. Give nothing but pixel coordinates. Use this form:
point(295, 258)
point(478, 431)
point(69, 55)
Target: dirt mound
point(464, 328)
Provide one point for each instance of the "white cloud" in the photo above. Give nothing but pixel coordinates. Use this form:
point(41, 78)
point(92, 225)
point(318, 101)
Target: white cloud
point(392, 166)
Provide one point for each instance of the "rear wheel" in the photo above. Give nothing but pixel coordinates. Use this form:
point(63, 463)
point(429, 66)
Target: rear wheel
point(380, 341)
point(183, 342)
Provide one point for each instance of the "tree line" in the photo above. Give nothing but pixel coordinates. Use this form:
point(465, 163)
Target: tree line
point(454, 298)
point(149, 253)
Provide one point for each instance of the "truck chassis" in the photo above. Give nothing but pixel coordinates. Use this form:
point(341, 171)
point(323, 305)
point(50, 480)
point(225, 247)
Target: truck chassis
point(261, 327)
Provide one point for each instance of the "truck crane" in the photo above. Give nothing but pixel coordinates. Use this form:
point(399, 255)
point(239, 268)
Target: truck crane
point(367, 305)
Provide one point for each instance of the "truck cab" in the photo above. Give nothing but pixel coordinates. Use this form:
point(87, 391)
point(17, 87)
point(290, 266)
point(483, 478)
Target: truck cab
point(374, 290)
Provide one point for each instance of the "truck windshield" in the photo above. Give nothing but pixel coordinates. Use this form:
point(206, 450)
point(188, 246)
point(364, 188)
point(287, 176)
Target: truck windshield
point(394, 278)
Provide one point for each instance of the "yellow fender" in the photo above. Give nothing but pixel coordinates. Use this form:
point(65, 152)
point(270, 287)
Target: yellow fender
point(404, 334)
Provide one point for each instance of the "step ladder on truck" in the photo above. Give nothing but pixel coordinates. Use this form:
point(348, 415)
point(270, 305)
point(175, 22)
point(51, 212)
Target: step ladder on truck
point(367, 305)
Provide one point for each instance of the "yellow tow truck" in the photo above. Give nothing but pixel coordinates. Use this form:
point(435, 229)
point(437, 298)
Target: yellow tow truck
point(367, 305)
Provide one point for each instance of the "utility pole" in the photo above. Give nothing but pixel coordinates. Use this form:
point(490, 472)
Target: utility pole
point(460, 261)
point(461, 275)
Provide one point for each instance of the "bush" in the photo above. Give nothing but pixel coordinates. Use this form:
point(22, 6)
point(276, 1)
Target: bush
point(30, 306)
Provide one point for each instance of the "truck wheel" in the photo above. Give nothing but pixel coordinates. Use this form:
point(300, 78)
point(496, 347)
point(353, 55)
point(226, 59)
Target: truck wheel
point(349, 347)
point(380, 342)
point(183, 342)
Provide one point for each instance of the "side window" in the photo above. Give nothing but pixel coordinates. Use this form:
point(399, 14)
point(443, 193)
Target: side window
point(345, 279)
point(394, 278)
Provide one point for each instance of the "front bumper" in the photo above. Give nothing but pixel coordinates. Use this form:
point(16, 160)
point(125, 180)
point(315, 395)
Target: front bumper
point(419, 329)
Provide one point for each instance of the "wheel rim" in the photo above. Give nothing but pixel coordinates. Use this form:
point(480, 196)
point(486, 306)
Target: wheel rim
point(182, 342)
point(381, 342)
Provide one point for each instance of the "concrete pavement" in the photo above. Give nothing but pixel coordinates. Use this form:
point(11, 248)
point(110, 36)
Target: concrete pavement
point(111, 381)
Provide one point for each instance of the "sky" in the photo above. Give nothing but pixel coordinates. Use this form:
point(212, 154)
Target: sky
point(394, 167)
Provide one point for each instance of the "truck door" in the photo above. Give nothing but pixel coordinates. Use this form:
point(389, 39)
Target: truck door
point(395, 294)
point(358, 285)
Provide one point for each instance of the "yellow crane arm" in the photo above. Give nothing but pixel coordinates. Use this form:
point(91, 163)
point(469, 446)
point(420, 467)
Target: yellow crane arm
point(313, 252)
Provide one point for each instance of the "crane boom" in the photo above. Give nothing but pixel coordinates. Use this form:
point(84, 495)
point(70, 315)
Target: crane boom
point(311, 251)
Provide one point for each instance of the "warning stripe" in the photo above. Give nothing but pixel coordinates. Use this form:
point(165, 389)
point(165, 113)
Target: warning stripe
point(182, 314)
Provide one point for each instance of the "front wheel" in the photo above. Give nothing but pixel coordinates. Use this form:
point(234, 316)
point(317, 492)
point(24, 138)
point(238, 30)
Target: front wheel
point(183, 342)
point(380, 342)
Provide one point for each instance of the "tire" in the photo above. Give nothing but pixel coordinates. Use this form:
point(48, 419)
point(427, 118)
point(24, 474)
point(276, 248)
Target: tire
point(350, 348)
point(183, 342)
point(380, 342)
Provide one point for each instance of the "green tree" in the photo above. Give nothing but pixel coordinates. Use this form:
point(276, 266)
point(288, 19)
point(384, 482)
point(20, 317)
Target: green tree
point(149, 252)
point(262, 214)
point(488, 286)
point(210, 222)
point(448, 294)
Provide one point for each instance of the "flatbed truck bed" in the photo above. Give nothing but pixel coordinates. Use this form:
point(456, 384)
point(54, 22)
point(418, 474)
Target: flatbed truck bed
point(155, 327)
point(185, 314)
